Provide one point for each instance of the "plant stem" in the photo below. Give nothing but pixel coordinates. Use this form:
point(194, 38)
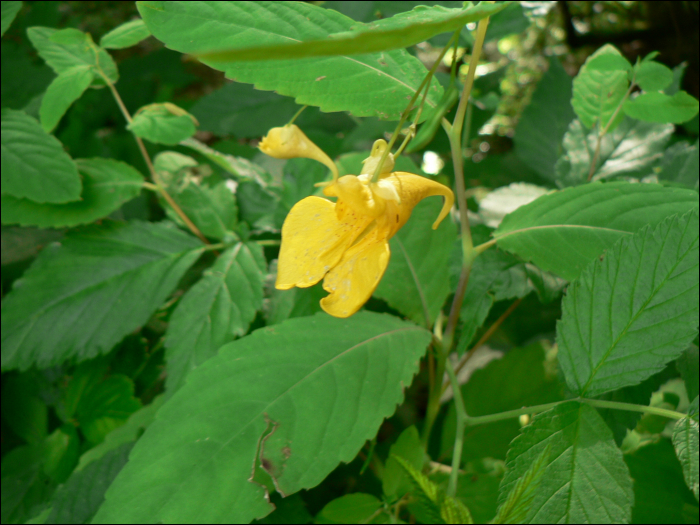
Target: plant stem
point(462, 418)
point(454, 133)
point(487, 335)
point(424, 84)
point(149, 164)
point(444, 346)
point(599, 403)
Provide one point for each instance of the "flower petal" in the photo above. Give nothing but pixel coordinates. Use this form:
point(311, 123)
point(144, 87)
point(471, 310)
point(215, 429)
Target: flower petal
point(313, 241)
point(412, 189)
point(353, 281)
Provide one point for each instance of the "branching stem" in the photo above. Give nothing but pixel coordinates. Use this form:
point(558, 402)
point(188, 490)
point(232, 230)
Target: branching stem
point(149, 164)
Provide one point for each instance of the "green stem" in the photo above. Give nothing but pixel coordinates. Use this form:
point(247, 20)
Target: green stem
point(424, 84)
point(434, 396)
point(154, 175)
point(462, 418)
point(444, 347)
point(599, 403)
point(454, 134)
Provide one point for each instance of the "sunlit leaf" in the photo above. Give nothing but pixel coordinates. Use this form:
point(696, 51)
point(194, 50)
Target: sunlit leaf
point(597, 93)
point(659, 107)
point(65, 89)
point(126, 35)
point(631, 149)
point(375, 84)
point(395, 32)
point(163, 124)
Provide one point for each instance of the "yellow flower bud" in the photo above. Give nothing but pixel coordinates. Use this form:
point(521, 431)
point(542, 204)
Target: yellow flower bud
point(289, 142)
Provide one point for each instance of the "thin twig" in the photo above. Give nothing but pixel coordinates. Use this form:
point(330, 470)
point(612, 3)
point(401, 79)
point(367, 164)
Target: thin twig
point(149, 164)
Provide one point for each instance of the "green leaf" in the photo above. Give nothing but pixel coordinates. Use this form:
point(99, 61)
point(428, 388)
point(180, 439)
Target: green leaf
point(487, 269)
point(517, 505)
point(454, 511)
point(79, 498)
point(9, 12)
point(99, 284)
point(66, 48)
point(30, 473)
point(659, 107)
point(586, 479)
point(596, 93)
point(129, 432)
point(243, 111)
point(374, 84)
point(685, 441)
point(351, 508)
point(608, 61)
point(531, 381)
point(107, 184)
point(126, 35)
point(681, 163)
point(106, 406)
point(287, 304)
point(633, 311)
point(163, 123)
point(65, 89)
point(22, 408)
point(631, 149)
point(564, 231)
point(408, 446)
point(653, 76)
point(276, 398)
point(687, 365)
point(423, 482)
point(216, 310)
point(544, 121)
point(411, 283)
point(34, 165)
point(212, 209)
point(660, 493)
point(479, 491)
point(396, 32)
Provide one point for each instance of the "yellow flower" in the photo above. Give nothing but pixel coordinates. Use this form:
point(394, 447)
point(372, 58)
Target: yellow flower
point(346, 242)
point(289, 142)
